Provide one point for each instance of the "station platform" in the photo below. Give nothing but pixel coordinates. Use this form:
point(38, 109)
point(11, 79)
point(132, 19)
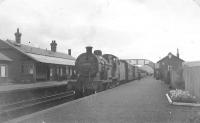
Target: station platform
point(12, 87)
point(140, 101)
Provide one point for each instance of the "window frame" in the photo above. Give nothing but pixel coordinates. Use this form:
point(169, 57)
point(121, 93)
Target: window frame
point(27, 68)
point(6, 70)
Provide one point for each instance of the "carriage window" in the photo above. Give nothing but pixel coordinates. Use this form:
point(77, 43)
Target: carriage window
point(3, 70)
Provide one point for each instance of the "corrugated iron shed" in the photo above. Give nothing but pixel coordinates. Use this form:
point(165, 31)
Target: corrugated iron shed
point(191, 64)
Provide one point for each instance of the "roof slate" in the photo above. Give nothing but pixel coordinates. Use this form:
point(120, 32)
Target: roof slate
point(33, 50)
point(172, 56)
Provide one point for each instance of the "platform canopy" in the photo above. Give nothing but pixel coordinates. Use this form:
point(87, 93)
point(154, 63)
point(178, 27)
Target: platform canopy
point(51, 60)
point(4, 58)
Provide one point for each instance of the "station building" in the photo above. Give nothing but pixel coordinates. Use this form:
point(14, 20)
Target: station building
point(21, 63)
point(170, 69)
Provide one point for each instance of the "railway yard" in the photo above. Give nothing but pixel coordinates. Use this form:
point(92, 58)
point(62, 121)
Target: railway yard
point(139, 101)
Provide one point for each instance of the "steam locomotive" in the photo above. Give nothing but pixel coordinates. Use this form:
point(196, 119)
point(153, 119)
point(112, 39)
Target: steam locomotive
point(97, 72)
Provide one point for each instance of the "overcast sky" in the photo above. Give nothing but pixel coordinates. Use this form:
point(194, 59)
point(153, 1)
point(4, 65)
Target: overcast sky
point(126, 28)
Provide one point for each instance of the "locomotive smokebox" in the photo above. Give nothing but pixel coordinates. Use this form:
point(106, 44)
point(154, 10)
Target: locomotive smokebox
point(89, 49)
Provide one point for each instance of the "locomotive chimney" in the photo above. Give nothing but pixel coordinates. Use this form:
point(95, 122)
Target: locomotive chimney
point(69, 52)
point(89, 49)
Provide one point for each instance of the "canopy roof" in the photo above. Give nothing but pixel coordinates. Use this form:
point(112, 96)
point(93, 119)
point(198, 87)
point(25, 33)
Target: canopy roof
point(4, 58)
point(41, 55)
point(51, 60)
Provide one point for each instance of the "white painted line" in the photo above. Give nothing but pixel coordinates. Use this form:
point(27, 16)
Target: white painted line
point(169, 99)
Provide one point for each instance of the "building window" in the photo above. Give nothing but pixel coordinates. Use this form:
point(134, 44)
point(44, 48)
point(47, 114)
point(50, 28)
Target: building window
point(67, 70)
point(61, 71)
point(3, 70)
point(170, 56)
point(169, 67)
point(57, 70)
point(51, 72)
point(27, 68)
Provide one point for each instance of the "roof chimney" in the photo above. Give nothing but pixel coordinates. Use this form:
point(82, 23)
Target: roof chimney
point(53, 46)
point(18, 36)
point(69, 52)
point(89, 49)
point(177, 53)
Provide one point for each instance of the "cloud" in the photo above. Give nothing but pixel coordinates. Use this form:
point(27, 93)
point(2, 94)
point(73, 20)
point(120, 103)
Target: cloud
point(129, 28)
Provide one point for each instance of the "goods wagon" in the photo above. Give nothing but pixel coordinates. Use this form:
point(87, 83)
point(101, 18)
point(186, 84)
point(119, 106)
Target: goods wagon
point(130, 72)
point(127, 72)
point(123, 71)
point(136, 72)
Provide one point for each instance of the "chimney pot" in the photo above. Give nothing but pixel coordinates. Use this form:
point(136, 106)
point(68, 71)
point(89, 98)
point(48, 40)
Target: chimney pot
point(18, 36)
point(53, 46)
point(69, 52)
point(177, 53)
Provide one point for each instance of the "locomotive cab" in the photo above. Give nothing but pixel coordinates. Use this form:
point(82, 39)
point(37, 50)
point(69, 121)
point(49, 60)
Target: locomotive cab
point(113, 72)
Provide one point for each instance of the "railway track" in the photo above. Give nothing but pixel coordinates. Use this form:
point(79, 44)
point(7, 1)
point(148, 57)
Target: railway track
point(24, 107)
